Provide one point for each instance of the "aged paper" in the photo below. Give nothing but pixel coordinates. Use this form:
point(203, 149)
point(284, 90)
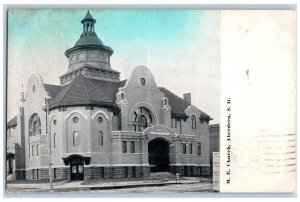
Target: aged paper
point(258, 99)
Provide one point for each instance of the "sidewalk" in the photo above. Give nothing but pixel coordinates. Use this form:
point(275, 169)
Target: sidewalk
point(76, 185)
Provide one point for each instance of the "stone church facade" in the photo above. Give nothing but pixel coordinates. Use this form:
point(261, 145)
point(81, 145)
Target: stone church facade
point(100, 127)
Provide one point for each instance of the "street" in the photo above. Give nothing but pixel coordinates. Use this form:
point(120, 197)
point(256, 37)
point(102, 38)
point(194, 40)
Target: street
point(120, 187)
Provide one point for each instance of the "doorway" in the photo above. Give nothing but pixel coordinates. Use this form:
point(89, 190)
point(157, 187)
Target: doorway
point(158, 150)
point(77, 169)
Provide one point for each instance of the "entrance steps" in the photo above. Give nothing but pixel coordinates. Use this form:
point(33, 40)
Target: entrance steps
point(164, 176)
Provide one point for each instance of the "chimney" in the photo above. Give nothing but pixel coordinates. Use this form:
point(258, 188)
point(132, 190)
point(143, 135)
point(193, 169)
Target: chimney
point(188, 97)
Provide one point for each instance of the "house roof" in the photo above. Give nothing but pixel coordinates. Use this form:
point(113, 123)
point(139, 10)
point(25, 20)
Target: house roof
point(52, 89)
point(84, 91)
point(12, 122)
point(178, 105)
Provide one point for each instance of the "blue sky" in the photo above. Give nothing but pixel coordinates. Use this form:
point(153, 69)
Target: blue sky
point(181, 45)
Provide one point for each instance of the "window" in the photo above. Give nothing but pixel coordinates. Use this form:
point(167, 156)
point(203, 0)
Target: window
point(142, 122)
point(100, 138)
point(166, 101)
point(174, 123)
point(143, 81)
point(37, 173)
point(183, 148)
point(33, 88)
point(199, 149)
point(54, 122)
point(193, 118)
point(102, 172)
point(34, 125)
point(133, 172)
point(54, 140)
point(33, 174)
point(54, 173)
point(142, 118)
point(124, 146)
point(132, 146)
point(37, 149)
point(99, 120)
point(75, 119)
point(63, 108)
point(32, 150)
point(185, 170)
point(191, 148)
point(125, 171)
point(89, 107)
point(75, 138)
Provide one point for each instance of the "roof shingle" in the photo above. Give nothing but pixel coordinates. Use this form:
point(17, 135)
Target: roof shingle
point(13, 122)
point(84, 90)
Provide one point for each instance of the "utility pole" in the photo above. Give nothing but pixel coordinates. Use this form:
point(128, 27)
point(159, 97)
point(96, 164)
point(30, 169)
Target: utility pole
point(49, 139)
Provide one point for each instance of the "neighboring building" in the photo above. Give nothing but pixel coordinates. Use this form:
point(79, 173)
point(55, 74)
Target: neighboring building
point(101, 127)
point(11, 141)
point(214, 140)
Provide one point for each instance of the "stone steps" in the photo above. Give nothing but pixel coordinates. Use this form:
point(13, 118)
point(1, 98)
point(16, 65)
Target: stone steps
point(164, 176)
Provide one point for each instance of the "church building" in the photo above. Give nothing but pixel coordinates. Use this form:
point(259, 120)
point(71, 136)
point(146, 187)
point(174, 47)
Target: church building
point(94, 125)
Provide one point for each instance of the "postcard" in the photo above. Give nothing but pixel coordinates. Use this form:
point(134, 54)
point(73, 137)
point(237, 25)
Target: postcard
point(150, 100)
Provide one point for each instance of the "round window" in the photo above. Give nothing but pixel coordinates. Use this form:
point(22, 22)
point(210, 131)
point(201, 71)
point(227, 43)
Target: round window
point(143, 81)
point(33, 88)
point(75, 119)
point(54, 122)
point(100, 120)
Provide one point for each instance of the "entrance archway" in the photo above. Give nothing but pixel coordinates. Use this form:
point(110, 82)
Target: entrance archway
point(76, 163)
point(158, 150)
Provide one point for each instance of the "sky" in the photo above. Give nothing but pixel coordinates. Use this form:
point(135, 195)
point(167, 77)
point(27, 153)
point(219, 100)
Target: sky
point(180, 47)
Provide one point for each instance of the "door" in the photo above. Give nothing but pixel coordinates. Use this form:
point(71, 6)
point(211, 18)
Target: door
point(77, 171)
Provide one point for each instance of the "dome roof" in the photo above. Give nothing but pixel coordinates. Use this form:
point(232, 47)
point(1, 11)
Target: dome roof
point(89, 39)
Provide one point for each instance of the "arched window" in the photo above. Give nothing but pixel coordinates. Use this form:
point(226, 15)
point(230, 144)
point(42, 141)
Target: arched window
point(142, 118)
point(100, 138)
point(37, 149)
point(32, 150)
point(34, 125)
point(54, 140)
point(193, 118)
point(75, 138)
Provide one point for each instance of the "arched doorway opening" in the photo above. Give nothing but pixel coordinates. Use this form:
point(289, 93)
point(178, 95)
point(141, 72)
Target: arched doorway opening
point(158, 150)
point(76, 163)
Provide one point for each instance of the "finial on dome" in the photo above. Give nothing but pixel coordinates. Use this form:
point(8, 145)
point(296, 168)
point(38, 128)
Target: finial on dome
point(88, 17)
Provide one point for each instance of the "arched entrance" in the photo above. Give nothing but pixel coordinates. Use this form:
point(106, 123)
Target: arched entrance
point(158, 150)
point(76, 163)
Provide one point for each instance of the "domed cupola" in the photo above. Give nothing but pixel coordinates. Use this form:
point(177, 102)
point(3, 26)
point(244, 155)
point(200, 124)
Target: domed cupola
point(89, 56)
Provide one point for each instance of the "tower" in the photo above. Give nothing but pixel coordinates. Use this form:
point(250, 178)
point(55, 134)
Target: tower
point(89, 56)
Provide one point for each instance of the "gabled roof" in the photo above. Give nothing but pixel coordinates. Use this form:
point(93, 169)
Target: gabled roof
point(178, 105)
point(13, 122)
point(85, 91)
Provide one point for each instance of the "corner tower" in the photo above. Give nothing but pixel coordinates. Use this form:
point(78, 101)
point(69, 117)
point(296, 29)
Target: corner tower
point(89, 56)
